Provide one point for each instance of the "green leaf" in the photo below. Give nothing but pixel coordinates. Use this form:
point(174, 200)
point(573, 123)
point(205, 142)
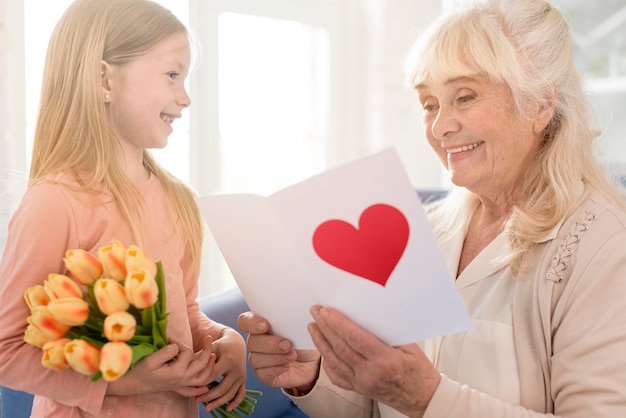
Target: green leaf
point(140, 351)
point(160, 279)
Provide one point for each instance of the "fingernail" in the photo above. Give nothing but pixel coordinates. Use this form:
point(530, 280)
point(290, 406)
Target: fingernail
point(261, 326)
point(284, 345)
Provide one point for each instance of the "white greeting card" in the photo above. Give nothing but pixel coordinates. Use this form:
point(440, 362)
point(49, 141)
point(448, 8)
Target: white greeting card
point(354, 238)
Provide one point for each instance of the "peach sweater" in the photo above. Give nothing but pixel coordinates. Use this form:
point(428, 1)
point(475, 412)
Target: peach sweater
point(50, 220)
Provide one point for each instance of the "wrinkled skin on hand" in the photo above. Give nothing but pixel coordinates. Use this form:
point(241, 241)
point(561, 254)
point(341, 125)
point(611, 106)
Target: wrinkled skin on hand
point(273, 358)
point(354, 359)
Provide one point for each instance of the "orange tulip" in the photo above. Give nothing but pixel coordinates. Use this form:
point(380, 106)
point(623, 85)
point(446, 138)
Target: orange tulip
point(35, 337)
point(82, 356)
point(141, 288)
point(54, 354)
point(137, 259)
point(119, 326)
point(60, 286)
point(84, 266)
point(70, 311)
point(44, 321)
point(113, 259)
point(110, 296)
point(115, 359)
point(36, 296)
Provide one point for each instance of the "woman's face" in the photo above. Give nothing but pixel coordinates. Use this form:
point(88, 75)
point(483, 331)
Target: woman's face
point(148, 93)
point(471, 124)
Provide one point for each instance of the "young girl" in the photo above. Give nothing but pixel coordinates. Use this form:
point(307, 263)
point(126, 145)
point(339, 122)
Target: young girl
point(113, 85)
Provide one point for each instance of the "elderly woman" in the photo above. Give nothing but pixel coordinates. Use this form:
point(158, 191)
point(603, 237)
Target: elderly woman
point(534, 232)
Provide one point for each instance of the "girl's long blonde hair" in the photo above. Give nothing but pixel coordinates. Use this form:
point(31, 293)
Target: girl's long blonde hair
point(72, 133)
point(526, 45)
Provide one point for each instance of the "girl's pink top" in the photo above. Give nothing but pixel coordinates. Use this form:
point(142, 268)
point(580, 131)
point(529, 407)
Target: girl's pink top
point(51, 219)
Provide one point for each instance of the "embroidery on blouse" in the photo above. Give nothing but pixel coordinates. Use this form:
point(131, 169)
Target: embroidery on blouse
point(559, 262)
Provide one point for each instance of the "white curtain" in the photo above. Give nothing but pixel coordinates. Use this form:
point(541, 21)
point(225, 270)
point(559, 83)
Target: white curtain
point(12, 121)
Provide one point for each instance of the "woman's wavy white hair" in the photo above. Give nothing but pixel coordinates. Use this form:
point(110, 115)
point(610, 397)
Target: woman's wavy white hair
point(526, 45)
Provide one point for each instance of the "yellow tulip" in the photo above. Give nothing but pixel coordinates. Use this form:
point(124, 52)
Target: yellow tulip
point(115, 359)
point(82, 356)
point(84, 266)
point(119, 326)
point(54, 354)
point(35, 337)
point(113, 259)
point(36, 296)
point(60, 286)
point(44, 321)
point(110, 296)
point(141, 288)
point(137, 259)
point(70, 311)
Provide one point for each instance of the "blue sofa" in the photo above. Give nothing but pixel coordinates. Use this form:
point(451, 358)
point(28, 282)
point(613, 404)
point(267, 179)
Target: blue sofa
point(223, 307)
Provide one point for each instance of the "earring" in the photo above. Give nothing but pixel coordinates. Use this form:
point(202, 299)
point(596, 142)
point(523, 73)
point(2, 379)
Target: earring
point(106, 97)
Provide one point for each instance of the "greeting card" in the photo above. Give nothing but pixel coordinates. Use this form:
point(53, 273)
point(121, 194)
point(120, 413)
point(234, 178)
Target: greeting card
point(354, 238)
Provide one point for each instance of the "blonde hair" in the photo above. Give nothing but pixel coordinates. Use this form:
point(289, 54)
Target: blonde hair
point(72, 133)
point(526, 45)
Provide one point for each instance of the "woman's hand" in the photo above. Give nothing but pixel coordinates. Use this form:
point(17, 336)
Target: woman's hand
point(174, 367)
point(273, 358)
point(230, 365)
point(354, 359)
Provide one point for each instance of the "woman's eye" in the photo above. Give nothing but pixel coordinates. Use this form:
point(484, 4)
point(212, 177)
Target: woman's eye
point(429, 107)
point(465, 99)
point(172, 75)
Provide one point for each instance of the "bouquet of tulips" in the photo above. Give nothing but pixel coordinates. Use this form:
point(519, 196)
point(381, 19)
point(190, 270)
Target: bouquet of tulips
point(122, 320)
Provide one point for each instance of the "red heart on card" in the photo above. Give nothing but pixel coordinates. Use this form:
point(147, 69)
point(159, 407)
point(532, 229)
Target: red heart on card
point(371, 251)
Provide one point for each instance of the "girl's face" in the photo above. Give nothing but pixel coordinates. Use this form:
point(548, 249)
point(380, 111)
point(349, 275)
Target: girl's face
point(472, 125)
point(146, 94)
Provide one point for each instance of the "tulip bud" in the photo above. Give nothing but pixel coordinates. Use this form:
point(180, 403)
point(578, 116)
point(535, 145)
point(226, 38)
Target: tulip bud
point(110, 296)
point(42, 319)
point(35, 337)
point(137, 259)
point(115, 359)
point(60, 286)
point(36, 296)
point(141, 288)
point(113, 259)
point(82, 356)
point(70, 311)
point(84, 266)
point(54, 354)
point(119, 326)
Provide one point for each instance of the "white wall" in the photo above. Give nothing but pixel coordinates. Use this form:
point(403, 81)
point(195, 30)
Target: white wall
point(12, 121)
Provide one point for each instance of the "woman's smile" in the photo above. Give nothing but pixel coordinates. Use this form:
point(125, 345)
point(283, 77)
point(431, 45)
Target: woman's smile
point(464, 148)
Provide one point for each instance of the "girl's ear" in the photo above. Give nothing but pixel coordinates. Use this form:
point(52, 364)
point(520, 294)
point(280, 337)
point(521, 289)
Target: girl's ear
point(545, 112)
point(105, 76)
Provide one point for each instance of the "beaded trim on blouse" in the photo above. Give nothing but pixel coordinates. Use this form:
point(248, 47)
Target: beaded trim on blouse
point(559, 262)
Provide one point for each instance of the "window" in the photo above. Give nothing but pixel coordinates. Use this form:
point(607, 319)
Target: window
point(599, 33)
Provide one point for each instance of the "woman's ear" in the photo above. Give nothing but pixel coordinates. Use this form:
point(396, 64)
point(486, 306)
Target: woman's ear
point(105, 76)
point(545, 112)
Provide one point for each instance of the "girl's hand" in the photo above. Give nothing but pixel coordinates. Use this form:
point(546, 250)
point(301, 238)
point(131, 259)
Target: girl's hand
point(175, 368)
point(273, 358)
point(354, 359)
point(230, 364)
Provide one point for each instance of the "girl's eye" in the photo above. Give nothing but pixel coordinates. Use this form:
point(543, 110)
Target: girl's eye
point(172, 75)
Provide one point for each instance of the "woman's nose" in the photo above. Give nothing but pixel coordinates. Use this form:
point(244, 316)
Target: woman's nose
point(445, 123)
